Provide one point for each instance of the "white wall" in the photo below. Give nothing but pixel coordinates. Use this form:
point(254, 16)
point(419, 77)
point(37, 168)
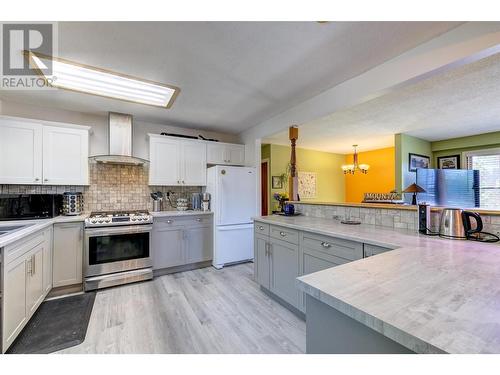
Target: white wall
point(99, 123)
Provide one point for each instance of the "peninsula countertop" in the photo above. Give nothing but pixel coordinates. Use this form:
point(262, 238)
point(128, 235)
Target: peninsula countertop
point(430, 295)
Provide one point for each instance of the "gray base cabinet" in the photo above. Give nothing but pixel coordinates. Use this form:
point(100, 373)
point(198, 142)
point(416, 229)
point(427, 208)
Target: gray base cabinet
point(283, 254)
point(25, 284)
point(68, 254)
point(179, 241)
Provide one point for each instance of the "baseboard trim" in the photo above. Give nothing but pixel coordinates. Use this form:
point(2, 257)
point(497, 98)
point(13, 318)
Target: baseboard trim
point(283, 303)
point(184, 267)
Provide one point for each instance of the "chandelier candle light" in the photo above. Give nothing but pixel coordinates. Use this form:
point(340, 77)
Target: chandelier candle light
point(351, 168)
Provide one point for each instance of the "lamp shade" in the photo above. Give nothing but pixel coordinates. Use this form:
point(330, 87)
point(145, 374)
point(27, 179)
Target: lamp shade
point(414, 188)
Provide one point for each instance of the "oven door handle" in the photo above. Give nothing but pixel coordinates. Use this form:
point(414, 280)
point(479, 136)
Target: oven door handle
point(111, 231)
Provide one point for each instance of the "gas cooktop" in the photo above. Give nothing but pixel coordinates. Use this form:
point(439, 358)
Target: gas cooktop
point(112, 218)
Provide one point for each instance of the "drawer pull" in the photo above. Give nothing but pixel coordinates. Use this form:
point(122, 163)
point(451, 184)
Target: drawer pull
point(198, 219)
point(261, 227)
point(282, 234)
point(326, 244)
point(169, 221)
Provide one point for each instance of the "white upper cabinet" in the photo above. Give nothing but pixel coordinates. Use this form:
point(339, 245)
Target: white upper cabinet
point(65, 156)
point(194, 163)
point(177, 162)
point(20, 152)
point(225, 153)
point(35, 153)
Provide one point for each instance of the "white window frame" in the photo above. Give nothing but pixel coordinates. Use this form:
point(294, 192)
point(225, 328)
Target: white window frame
point(483, 152)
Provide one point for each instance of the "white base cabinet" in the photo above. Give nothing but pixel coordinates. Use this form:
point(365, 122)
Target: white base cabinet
point(26, 263)
point(67, 254)
point(180, 241)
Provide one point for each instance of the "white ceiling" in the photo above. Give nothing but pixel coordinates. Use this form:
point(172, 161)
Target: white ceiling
point(232, 75)
point(464, 101)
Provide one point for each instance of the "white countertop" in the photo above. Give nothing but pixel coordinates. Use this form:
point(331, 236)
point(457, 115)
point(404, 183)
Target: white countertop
point(33, 226)
point(180, 213)
point(431, 295)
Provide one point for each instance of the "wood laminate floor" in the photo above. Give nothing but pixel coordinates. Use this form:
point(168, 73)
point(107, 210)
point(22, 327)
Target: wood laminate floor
point(200, 311)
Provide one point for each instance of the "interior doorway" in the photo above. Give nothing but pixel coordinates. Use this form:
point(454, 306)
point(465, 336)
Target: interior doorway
point(264, 187)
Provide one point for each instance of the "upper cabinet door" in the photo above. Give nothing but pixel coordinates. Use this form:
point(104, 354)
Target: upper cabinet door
point(236, 154)
point(194, 163)
point(164, 157)
point(225, 153)
point(20, 152)
point(216, 153)
point(65, 156)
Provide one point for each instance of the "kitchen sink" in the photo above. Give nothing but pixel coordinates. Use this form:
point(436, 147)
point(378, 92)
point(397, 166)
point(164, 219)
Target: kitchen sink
point(8, 229)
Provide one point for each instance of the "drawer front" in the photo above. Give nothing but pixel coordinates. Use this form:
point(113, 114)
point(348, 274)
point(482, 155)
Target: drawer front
point(284, 234)
point(261, 228)
point(371, 250)
point(21, 247)
point(174, 221)
point(337, 247)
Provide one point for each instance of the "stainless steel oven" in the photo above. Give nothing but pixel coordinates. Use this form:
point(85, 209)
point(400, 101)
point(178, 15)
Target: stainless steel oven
point(116, 255)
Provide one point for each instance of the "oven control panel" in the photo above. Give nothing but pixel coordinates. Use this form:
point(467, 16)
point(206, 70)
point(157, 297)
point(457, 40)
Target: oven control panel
point(98, 219)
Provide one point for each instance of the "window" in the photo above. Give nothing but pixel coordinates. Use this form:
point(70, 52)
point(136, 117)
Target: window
point(488, 164)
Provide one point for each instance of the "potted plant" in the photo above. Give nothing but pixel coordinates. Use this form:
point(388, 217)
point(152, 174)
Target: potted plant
point(282, 198)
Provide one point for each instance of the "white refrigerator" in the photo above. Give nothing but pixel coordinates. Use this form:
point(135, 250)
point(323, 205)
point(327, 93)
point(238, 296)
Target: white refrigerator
point(233, 201)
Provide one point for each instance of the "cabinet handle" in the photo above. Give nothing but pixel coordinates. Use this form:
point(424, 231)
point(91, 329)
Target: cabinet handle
point(270, 251)
point(282, 234)
point(33, 270)
point(28, 271)
point(261, 227)
point(37, 179)
point(325, 244)
point(198, 219)
point(169, 221)
point(178, 181)
point(267, 249)
point(46, 179)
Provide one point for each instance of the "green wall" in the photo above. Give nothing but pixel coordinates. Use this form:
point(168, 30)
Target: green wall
point(330, 178)
point(404, 145)
point(456, 146)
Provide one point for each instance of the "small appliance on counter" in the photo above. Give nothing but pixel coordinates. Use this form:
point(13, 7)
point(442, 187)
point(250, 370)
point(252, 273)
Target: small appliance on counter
point(72, 204)
point(196, 199)
point(157, 201)
point(205, 202)
point(30, 206)
point(456, 224)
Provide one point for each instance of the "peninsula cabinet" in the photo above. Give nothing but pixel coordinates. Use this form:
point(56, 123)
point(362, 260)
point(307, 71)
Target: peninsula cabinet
point(177, 162)
point(181, 241)
point(283, 254)
point(35, 153)
point(68, 254)
point(24, 282)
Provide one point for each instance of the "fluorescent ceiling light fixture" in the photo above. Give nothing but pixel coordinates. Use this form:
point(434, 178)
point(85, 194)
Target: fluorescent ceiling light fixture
point(87, 79)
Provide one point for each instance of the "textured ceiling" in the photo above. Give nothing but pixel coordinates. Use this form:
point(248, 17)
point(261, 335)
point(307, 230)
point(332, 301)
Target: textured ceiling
point(464, 101)
point(232, 75)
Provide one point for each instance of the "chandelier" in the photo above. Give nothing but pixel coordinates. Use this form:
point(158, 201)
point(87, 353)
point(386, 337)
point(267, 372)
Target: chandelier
point(351, 168)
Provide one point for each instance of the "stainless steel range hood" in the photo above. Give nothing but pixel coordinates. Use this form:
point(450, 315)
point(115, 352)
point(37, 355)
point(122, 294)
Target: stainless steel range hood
point(120, 131)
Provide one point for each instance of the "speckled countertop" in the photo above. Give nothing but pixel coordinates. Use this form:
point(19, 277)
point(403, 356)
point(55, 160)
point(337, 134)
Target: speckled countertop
point(32, 226)
point(431, 295)
point(180, 213)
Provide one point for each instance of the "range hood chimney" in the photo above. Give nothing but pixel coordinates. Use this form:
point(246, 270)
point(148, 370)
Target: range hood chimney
point(120, 131)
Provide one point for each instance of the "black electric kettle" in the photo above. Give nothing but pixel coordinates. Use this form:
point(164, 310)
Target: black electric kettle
point(468, 228)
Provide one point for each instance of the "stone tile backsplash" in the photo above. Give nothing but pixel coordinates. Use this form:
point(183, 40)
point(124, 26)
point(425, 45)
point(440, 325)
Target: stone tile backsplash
point(112, 187)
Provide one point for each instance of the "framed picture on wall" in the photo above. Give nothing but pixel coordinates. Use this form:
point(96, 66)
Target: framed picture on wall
point(277, 182)
point(449, 162)
point(416, 161)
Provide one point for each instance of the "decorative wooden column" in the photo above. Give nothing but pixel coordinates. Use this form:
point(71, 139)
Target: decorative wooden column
point(293, 183)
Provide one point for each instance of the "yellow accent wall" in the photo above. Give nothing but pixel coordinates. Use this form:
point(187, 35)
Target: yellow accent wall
point(330, 179)
point(379, 179)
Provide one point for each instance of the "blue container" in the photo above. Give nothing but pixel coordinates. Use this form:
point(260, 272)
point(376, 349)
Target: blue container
point(289, 209)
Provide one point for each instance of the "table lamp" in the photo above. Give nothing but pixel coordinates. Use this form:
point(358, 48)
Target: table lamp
point(414, 188)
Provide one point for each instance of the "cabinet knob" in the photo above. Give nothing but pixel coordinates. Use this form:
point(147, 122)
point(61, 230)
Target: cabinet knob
point(37, 179)
point(45, 179)
point(282, 234)
point(198, 219)
point(178, 181)
point(169, 221)
point(261, 227)
point(183, 182)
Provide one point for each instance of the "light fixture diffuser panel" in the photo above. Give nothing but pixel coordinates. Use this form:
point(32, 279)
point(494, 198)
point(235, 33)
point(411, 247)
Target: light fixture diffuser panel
point(86, 79)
